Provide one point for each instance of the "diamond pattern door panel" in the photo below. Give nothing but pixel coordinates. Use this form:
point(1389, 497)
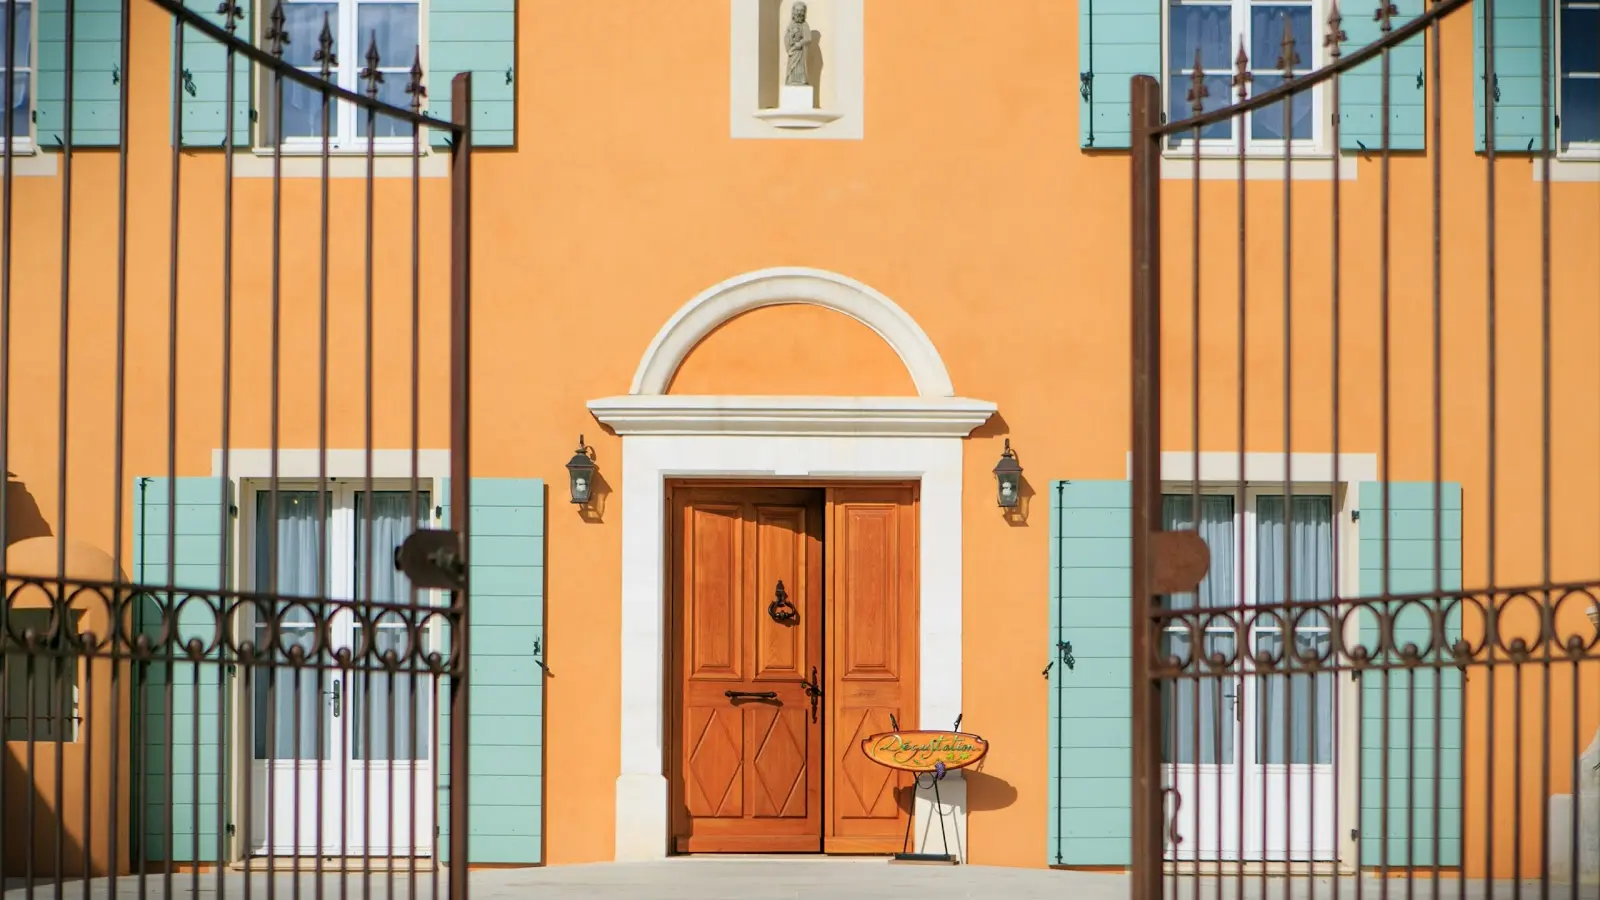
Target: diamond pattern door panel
point(748, 773)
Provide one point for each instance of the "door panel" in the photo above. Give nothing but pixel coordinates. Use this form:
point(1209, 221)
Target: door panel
point(749, 738)
point(871, 645)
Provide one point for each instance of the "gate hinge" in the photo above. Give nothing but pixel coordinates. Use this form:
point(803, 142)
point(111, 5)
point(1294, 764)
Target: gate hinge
point(431, 558)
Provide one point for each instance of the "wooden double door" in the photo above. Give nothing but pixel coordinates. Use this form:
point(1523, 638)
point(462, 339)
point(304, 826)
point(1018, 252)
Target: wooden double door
point(794, 620)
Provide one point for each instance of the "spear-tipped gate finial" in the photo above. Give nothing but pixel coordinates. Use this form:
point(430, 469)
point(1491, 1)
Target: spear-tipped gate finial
point(415, 88)
point(1197, 87)
point(277, 36)
point(1335, 38)
point(1241, 72)
point(1288, 57)
point(370, 74)
point(325, 54)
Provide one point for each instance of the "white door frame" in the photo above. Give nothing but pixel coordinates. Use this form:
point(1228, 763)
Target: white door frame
point(246, 470)
point(1264, 473)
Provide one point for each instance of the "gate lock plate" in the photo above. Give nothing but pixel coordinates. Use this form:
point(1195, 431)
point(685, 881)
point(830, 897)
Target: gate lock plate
point(431, 559)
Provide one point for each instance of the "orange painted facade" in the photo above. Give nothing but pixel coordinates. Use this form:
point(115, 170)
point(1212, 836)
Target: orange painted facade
point(970, 204)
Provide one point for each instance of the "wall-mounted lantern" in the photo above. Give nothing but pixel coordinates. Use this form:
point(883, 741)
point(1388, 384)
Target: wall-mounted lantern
point(1008, 477)
point(581, 469)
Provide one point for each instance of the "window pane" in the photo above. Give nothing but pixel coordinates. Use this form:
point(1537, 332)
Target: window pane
point(304, 25)
point(1266, 37)
point(21, 103)
point(1266, 124)
point(1296, 709)
point(46, 681)
point(1310, 548)
point(1204, 27)
point(1178, 106)
point(1198, 715)
point(393, 92)
point(1580, 39)
point(1580, 110)
point(380, 702)
point(291, 708)
point(1216, 529)
point(394, 25)
point(24, 48)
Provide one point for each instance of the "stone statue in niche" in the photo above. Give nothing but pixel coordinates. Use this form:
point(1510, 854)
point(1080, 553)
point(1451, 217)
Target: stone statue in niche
point(797, 40)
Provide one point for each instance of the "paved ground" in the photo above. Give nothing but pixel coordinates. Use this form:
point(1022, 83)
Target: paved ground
point(786, 879)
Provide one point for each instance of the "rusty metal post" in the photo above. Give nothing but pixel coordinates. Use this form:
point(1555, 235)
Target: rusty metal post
point(1146, 852)
point(460, 466)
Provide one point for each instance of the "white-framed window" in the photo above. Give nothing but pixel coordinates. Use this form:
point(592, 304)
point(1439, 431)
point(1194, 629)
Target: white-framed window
point(21, 107)
point(1250, 544)
point(41, 692)
point(1578, 62)
point(1216, 30)
point(394, 26)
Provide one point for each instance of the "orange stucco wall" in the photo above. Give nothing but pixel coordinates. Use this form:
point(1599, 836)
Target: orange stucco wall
point(968, 203)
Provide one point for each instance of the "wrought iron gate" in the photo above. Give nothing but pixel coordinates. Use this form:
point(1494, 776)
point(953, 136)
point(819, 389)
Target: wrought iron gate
point(234, 423)
point(1364, 419)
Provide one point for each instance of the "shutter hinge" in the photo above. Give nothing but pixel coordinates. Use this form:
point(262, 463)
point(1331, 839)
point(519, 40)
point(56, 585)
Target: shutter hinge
point(538, 651)
point(1420, 79)
point(1086, 85)
point(1355, 833)
point(188, 82)
point(116, 74)
point(233, 510)
point(508, 74)
point(1064, 651)
point(230, 829)
point(1355, 515)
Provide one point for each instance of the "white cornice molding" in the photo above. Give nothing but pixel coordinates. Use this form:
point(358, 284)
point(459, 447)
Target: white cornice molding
point(631, 414)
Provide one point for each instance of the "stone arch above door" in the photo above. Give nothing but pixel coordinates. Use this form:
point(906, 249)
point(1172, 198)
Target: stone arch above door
point(647, 408)
point(773, 287)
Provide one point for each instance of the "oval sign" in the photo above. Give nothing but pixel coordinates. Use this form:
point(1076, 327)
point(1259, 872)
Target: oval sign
point(920, 751)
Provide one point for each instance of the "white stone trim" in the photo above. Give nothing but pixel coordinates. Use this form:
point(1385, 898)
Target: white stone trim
point(792, 416)
point(773, 287)
point(1223, 466)
point(642, 823)
point(255, 462)
point(842, 26)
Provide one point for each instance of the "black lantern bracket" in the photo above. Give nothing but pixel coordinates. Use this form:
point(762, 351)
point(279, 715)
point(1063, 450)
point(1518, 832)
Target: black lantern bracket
point(581, 470)
point(1008, 478)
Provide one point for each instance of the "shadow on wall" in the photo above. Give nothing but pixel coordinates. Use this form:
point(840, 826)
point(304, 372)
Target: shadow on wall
point(32, 821)
point(23, 519)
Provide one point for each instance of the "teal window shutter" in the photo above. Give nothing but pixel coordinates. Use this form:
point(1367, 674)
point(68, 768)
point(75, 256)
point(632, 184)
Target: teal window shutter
point(506, 789)
point(1431, 756)
point(1117, 39)
point(204, 74)
point(1091, 695)
point(477, 36)
point(1361, 89)
point(196, 539)
point(1518, 100)
point(96, 63)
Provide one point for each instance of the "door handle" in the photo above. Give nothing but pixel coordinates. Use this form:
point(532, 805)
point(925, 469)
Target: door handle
point(813, 690)
point(337, 697)
point(751, 695)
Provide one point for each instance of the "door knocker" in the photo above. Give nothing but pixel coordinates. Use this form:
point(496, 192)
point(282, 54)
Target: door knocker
point(780, 609)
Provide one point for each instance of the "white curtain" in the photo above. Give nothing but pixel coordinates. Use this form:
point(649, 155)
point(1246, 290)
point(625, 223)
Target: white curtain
point(1195, 708)
point(281, 698)
point(393, 698)
point(1292, 707)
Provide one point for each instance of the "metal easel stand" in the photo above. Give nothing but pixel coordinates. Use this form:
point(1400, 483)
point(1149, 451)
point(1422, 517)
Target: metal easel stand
point(946, 858)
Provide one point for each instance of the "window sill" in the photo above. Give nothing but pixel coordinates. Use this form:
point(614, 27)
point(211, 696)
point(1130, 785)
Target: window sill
point(1307, 165)
point(1578, 167)
point(298, 162)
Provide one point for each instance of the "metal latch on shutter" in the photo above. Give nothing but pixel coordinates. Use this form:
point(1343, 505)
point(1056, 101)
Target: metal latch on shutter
point(431, 558)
